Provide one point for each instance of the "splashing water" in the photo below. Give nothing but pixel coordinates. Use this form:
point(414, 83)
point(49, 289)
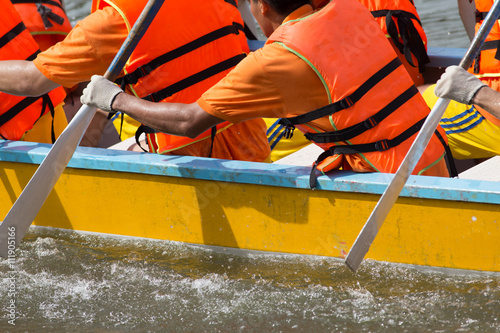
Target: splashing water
point(71, 282)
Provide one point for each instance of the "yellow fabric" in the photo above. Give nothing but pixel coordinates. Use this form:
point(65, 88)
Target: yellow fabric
point(285, 147)
point(41, 131)
point(470, 135)
point(128, 128)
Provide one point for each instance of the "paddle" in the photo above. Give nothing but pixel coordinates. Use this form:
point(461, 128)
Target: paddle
point(390, 195)
point(23, 212)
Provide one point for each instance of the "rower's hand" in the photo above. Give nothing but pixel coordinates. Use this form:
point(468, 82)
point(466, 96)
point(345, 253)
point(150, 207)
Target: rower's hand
point(458, 84)
point(100, 93)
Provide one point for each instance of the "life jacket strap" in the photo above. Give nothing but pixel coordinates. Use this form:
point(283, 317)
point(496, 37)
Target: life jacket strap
point(213, 132)
point(16, 109)
point(150, 132)
point(361, 127)
point(380, 146)
point(489, 45)
point(347, 101)
point(26, 102)
point(195, 78)
point(33, 56)
point(412, 41)
point(232, 2)
point(450, 162)
point(142, 71)
point(47, 102)
point(11, 34)
point(47, 16)
point(384, 12)
point(47, 2)
point(140, 130)
point(343, 103)
point(480, 16)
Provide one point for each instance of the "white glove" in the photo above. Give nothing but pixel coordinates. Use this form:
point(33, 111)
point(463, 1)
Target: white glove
point(458, 84)
point(100, 93)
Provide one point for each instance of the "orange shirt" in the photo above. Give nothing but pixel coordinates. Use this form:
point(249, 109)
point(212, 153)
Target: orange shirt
point(89, 49)
point(274, 83)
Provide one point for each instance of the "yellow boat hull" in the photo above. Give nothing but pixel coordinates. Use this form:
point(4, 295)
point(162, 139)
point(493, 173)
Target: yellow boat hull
point(264, 216)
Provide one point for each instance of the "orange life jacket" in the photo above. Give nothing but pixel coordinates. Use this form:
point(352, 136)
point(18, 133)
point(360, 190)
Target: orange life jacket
point(486, 65)
point(399, 20)
point(18, 114)
point(173, 64)
point(45, 19)
point(375, 111)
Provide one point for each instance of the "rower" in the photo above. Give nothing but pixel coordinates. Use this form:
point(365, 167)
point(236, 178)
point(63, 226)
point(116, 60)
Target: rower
point(174, 62)
point(473, 130)
point(38, 118)
point(365, 121)
point(401, 24)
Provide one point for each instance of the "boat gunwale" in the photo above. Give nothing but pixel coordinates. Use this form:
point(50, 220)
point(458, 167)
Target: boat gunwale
point(289, 176)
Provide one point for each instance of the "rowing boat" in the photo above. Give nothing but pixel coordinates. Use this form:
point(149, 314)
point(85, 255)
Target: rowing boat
point(436, 222)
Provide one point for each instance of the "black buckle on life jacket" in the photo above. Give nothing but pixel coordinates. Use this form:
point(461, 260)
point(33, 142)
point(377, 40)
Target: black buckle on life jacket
point(370, 123)
point(237, 28)
point(480, 16)
point(288, 131)
point(133, 78)
point(346, 102)
point(382, 145)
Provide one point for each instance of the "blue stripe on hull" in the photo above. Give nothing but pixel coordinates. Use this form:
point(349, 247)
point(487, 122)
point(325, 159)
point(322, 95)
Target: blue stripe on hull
point(255, 173)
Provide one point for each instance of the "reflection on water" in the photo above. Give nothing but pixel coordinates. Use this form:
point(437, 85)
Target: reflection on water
point(72, 283)
point(68, 282)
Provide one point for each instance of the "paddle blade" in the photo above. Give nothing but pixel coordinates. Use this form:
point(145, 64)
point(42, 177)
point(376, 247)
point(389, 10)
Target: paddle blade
point(26, 207)
point(372, 226)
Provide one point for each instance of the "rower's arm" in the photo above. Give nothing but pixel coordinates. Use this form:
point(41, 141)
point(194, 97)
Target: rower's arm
point(489, 100)
point(173, 118)
point(20, 77)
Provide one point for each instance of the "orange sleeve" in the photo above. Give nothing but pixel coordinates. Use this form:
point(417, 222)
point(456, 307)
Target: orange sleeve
point(269, 83)
point(87, 50)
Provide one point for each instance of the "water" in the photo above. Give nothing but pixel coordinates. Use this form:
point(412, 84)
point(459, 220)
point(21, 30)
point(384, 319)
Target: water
point(65, 282)
point(442, 23)
point(70, 283)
